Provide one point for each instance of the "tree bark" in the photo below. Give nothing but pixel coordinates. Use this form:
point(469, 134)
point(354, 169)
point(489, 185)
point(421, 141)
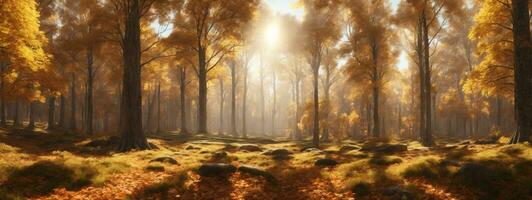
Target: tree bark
point(262, 100)
point(523, 71)
point(131, 134)
point(182, 97)
point(72, 125)
point(31, 123)
point(202, 97)
point(316, 124)
point(51, 112)
point(375, 81)
point(62, 111)
point(221, 127)
point(233, 101)
point(158, 107)
point(16, 118)
point(90, 82)
point(244, 102)
point(3, 119)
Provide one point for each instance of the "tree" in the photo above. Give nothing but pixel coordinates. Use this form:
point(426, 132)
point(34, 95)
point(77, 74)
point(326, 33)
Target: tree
point(523, 70)
point(128, 15)
point(321, 31)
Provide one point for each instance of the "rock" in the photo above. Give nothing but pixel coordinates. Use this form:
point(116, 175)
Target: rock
point(219, 155)
point(325, 162)
point(216, 169)
point(250, 148)
point(466, 142)
point(311, 149)
point(278, 152)
point(165, 159)
point(398, 193)
point(190, 147)
point(255, 171)
point(447, 162)
point(229, 147)
point(346, 148)
point(111, 141)
point(386, 148)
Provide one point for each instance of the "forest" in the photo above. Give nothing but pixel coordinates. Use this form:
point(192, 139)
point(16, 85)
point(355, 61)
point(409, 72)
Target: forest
point(265, 99)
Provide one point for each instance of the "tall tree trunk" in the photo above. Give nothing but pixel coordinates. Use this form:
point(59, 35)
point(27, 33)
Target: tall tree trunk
point(499, 113)
point(16, 119)
point(233, 101)
point(421, 71)
point(221, 127)
point(62, 111)
point(158, 107)
point(316, 122)
point(90, 82)
point(149, 119)
point(72, 125)
point(3, 119)
point(202, 97)
point(298, 131)
point(523, 71)
point(244, 102)
point(132, 136)
point(375, 94)
point(182, 97)
point(31, 123)
point(51, 112)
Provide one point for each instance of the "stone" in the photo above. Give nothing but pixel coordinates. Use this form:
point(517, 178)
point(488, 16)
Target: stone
point(325, 162)
point(216, 170)
point(250, 148)
point(278, 152)
point(190, 147)
point(165, 159)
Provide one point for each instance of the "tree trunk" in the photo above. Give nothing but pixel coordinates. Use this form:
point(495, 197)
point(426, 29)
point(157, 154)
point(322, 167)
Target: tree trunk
point(131, 134)
point(233, 101)
point(3, 119)
point(16, 118)
point(298, 132)
point(202, 97)
point(62, 111)
point(31, 123)
point(221, 127)
point(523, 71)
point(72, 125)
point(182, 97)
point(158, 107)
point(90, 82)
point(244, 101)
point(51, 112)
point(316, 124)
point(375, 94)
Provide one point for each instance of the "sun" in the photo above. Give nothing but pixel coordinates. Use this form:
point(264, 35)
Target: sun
point(271, 35)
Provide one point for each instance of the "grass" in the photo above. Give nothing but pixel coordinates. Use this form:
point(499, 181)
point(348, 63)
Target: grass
point(73, 165)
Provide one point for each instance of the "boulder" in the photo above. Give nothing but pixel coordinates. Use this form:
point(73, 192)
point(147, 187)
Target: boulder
point(311, 149)
point(278, 152)
point(165, 159)
point(486, 141)
point(255, 171)
point(398, 193)
point(216, 170)
point(325, 162)
point(250, 148)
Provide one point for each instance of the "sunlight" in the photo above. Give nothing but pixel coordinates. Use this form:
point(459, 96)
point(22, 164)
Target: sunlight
point(271, 35)
point(403, 62)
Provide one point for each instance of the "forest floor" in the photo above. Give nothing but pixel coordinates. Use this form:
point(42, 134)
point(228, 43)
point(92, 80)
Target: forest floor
point(57, 165)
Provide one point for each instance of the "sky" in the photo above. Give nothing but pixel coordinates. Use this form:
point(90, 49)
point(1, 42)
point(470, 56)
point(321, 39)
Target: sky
point(287, 7)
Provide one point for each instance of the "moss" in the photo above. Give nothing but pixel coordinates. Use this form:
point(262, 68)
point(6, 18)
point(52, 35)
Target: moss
point(385, 160)
point(359, 187)
point(155, 168)
point(429, 169)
